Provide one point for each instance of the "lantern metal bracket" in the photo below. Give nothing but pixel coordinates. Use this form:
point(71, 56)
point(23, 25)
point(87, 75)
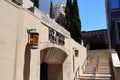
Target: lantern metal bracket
point(74, 48)
point(76, 51)
point(30, 29)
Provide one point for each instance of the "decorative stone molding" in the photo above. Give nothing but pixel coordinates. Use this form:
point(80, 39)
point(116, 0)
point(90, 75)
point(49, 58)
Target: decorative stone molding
point(47, 21)
point(53, 55)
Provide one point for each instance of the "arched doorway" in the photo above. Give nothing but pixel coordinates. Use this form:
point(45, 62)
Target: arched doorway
point(52, 60)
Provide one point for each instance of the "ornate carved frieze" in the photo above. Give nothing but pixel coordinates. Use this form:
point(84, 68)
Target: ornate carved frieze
point(56, 37)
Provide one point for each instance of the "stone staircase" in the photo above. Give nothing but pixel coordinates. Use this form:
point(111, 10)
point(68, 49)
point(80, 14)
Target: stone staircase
point(97, 68)
point(99, 71)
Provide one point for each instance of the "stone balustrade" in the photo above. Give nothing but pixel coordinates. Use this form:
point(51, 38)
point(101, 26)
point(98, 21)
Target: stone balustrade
point(116, 65)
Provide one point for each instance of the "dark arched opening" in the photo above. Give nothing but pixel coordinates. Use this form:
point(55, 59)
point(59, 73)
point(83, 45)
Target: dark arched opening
point(44, 71)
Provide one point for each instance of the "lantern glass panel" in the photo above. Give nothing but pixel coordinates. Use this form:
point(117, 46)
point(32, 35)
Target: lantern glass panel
point(76, 52)
point(34, 39)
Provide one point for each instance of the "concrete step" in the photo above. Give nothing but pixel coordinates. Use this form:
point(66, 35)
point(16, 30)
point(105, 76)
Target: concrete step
point(101, 68)
point(99, 71)
point(97, 77)
point(103, 71)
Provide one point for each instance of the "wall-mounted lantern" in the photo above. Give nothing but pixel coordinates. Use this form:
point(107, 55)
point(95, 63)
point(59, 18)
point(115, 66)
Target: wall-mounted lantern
point(33, 38)
point(76, 52)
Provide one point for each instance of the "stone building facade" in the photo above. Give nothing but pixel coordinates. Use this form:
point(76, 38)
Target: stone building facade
point(113, 21)
point(59, 8)
point(57, 57)
point(96, 39)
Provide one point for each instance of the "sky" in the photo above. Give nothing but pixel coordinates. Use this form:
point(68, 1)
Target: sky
point(92, 14)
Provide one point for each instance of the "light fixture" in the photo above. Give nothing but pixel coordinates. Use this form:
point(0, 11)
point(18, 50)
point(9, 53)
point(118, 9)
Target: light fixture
point(76, 51)
point(33, 38)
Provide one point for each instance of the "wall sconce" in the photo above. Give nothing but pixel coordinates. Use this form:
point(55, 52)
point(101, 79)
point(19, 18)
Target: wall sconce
point(33, 38)
point(76, 51)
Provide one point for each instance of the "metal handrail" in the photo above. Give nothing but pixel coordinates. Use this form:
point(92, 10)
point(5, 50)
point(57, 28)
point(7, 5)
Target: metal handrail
point(93, 73)
point(77, 73)
point(95, 68)
point(85, 62)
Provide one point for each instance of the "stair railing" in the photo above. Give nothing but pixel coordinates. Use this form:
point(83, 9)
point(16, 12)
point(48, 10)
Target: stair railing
point(77, 73)
point(95, 68)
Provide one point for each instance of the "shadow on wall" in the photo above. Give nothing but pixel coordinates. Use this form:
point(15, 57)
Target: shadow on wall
point(27, 58)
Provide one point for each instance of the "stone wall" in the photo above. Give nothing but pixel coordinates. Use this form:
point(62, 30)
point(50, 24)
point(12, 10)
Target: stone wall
point(17, 60)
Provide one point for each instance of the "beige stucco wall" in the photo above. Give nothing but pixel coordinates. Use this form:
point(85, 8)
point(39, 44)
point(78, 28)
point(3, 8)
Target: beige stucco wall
point(32, 22)
point(17, 60)
point(8, 39)
point(77, 61)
